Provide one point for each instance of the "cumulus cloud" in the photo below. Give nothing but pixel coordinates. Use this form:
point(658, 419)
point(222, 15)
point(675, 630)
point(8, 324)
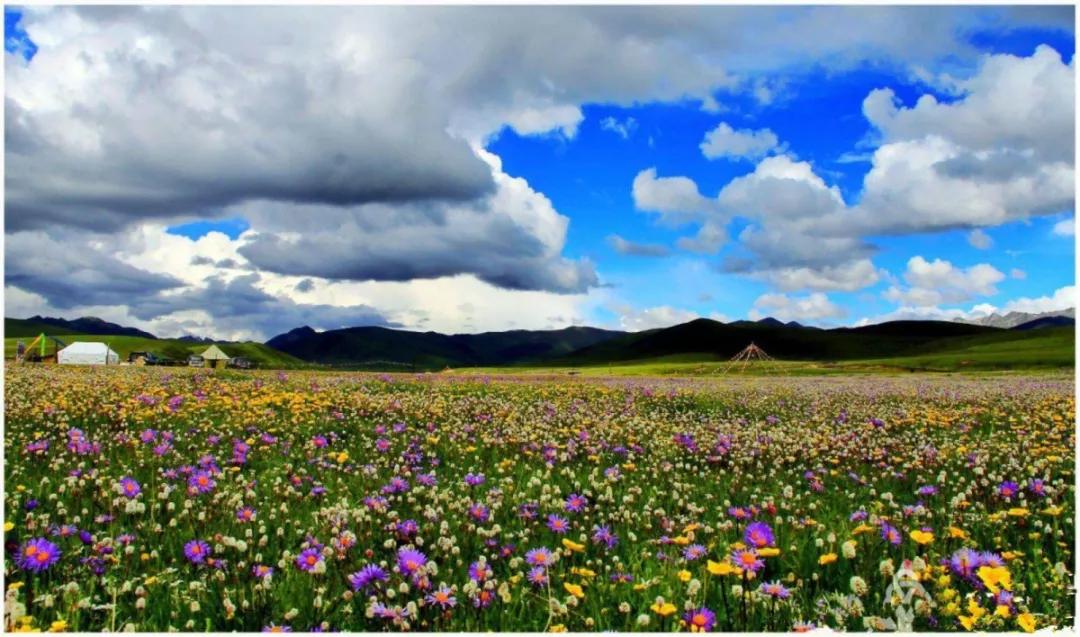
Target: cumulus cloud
point(677, 199)
point(939, 281)
point(1065, 228)
point(622, 246)
point(637, 320)
point(846, 277)
point(623, 128)
point(812, 307)
point(725, 141)
point(1062, 299)
point(708, 240)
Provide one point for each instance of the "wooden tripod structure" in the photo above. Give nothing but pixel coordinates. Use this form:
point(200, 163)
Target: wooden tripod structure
point(751, 354)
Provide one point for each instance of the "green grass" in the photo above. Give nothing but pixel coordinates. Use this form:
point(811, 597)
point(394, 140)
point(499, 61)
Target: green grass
point(1049, 349)
point(264, 356)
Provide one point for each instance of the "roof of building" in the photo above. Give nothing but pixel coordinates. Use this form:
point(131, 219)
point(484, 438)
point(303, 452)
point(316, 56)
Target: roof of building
point(214, 354)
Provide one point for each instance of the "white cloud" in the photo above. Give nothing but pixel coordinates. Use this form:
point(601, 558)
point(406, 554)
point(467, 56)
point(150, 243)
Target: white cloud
point(810, 308)
point(622, 246)
point(637, 320)
point(1065, 227)
point(622, 128)
point(1062, 299)
point(980, 240)
point(1018, 274)
point(847, 277)
point(725, 141)
point(708, 240)
point(939, 281)
point(677, 199)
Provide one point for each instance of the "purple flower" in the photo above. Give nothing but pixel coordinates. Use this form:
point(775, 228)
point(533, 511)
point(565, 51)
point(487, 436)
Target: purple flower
point(759, 535)
point(367, 577)
point(776, 590)
point(603, 535)
point(537, 576)
point(442, 596)
point(129, 487)
point(479, 572)
point(1037, 488)
point(408, 528)
point(201, 482)
point(472, 480)
point(965, 562)
point(747, 560)
point(37, 555)
point(196, 551)
point(277, 628)
point(576, 503)
point(262, 571)
point(479, 513)
point(410, 561)
point(539, 557)
point(694, 552)
point(700, 620)
point(927, 490)
point(245, 514)
point(308, 559)
point(890, 534)
point(1008, 489)
point(528, 510)
point(558, 524)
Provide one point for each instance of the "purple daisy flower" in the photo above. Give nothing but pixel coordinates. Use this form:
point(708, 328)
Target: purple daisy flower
point(537, 576)
point(558, 524)
point(201, 482)
point(37, 555)
point(367, 577)
point(759, 535)
point(308, 559)
point(776, 590)
point(576, 503)
point(748, 560)
point(479, 513)
point(129, 487)
point(1008, 489)
point(245, 514)
point(197, 551)
point(443, 597)
point(410, 561)
point(965, 562)
point(700, 620)
point(694, 552)
point(603, 535)
point(262, 571)
point(539, 557)
point(480, 572)
point(890, 534)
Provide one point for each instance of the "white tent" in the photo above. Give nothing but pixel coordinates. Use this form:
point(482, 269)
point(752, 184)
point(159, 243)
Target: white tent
point(87, 354)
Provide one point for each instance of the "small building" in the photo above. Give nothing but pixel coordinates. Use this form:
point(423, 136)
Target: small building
point(143, 358)
point(195, 361)
point(214, 357)
point(82, 353)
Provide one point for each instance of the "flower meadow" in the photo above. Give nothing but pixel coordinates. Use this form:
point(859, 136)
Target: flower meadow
point(158, 499)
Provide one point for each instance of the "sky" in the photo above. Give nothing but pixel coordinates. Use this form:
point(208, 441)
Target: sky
point(237, 172)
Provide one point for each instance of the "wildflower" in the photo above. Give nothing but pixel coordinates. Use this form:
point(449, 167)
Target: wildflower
point(720, 568)
point(994, 577)
point(367, 577)
point(442, 596)
point(827, 558)
point(479, 572)
point(262, 571)
point(747, 559)
point(890, 534)
point(245, 514)
point(574, 589)
point(37, 555)
point(308, 559)
point(557, 524)
point(537, 576)
point(129, 487)
point(663, 608)
point(921, 537)
point(277, 628)
point(1026, 621)
point(776, 590)
point(699, 620)
point(539, 557)
point(201, 482)
point(572, 545)
point(196, 551)
point(694, 552)
point(479, 513)
point(759, 535)
point(1008, 489)
point(603, 535)
point(410, 561)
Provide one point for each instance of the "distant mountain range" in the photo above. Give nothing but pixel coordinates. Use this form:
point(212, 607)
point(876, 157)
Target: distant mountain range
point(383, 348)
point(58, 326)
point(574, 346)
point(1026, 320)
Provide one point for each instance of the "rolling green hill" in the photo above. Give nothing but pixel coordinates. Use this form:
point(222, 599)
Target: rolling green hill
point(264, 356)
point(29, 328)
point(390, 349)
point(57, 326)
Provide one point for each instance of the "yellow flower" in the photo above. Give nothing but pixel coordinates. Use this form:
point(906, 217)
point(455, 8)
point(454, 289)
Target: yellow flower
point(957, 534)
point(828, 558)
point(922, 537)
point(1002, 611)
point(720, 568)
point(681, 540)
point(574, 589)
point(8, 526)
point(1052, 511)
point(684, 576)
point(584, 572)
point(572, 545)
point(862, 528)
point(769, 551)
point(967, 622)
point(995, 577)
point(975, 610)
point(342, 457)
point(144, 556)
point(557, 628)
point(1026, 621)
point(150, 581)
point(58, 626)
point(1018, 512)
point(663, 609)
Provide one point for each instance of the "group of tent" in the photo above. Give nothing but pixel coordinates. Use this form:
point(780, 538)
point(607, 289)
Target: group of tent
point(88, 353)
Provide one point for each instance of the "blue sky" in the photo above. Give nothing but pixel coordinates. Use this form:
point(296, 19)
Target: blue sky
point(381, 197)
